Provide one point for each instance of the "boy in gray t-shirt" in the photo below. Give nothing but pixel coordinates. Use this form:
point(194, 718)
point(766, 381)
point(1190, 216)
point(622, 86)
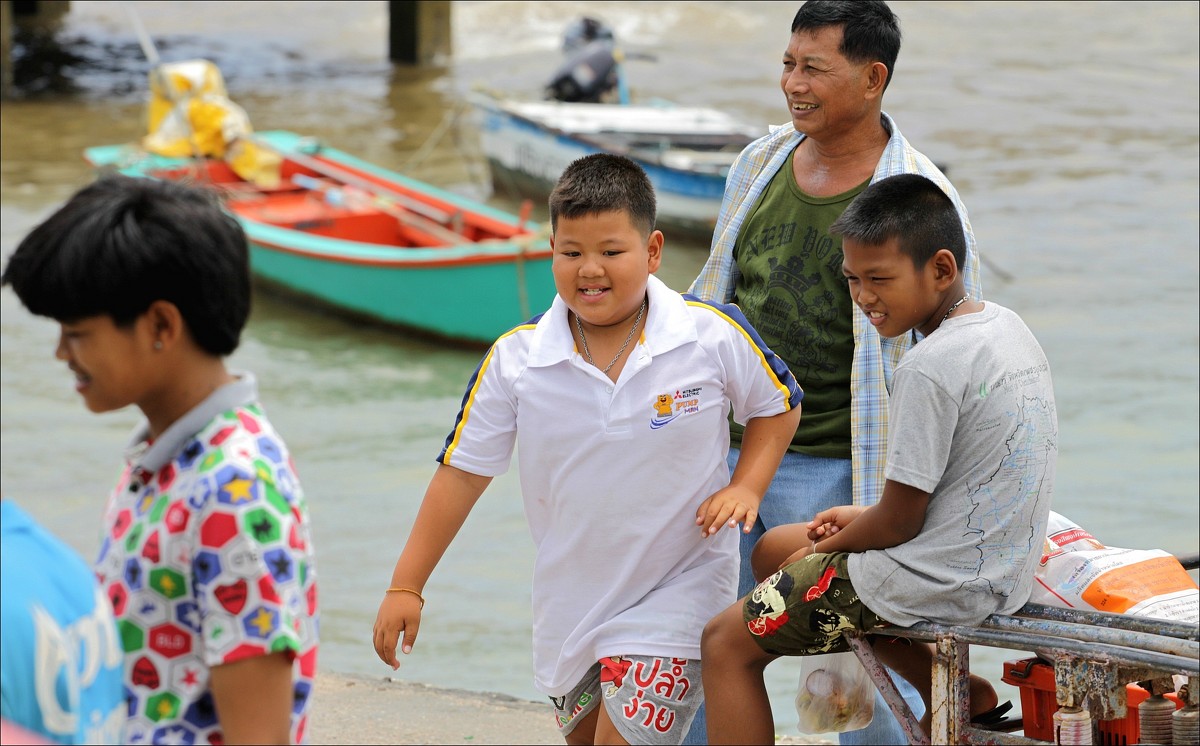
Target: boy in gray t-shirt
point(970, 471)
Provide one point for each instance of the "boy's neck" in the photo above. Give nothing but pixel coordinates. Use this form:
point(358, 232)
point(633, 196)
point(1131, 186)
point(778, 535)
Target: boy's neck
point(182, 393)
point(956, 302)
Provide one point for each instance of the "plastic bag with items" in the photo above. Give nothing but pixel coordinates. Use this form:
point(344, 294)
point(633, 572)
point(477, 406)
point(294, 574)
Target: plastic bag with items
point(836, 694)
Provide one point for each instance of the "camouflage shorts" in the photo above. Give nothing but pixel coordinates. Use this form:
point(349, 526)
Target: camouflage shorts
point(804, 608)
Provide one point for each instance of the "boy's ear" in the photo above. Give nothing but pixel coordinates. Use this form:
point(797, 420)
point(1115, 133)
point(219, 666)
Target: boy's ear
point(654, 245)
point(945, 269)
point(165, 324)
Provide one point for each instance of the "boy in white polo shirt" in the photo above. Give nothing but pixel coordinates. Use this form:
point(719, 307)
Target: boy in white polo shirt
point(618, 396)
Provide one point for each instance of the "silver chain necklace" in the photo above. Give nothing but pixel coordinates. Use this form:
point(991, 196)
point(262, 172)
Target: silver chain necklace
point(587, 353)
point(957, 303)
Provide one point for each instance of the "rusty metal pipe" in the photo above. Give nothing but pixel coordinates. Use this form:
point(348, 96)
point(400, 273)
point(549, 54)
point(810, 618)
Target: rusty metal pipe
point(1088, 633)
point(1036, 641)
point(1163, 627)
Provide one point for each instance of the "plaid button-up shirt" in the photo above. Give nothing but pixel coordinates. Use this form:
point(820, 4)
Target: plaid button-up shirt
point(875, 357)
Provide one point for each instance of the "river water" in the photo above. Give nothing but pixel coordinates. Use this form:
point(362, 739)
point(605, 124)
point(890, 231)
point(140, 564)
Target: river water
point(1070, 130)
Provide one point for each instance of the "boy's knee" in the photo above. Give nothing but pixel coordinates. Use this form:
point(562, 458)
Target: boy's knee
point(716, 636)
point(772, 549)
point(708, 638)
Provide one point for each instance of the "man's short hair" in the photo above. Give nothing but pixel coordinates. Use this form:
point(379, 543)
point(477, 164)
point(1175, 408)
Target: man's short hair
point(603, 182)
point(122, 243)
point(870, 30)
point(909, 208)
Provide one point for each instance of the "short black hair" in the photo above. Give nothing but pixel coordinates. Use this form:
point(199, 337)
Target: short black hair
point(870, 30)
point(604, 182)
point(909, 208)
point(122, 243)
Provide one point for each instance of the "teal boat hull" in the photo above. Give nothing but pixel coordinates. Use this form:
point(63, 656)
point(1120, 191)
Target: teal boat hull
point(471, 293)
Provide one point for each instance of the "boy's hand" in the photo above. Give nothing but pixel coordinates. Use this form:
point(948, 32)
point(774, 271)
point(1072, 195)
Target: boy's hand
point(399, 612)
point(829, 522)
point(728, 507)
point(822, 526)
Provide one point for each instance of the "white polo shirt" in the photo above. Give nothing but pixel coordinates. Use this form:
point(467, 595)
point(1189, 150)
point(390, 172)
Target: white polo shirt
point(612, 474)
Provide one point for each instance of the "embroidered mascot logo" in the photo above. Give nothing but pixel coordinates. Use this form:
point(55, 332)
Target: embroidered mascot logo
point(664, 411)
point(668, 407)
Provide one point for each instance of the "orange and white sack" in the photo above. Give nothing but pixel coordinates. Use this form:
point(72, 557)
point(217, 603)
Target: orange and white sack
point(1078, 572)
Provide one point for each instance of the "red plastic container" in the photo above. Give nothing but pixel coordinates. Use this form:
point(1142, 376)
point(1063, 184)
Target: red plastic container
point(1035, 679)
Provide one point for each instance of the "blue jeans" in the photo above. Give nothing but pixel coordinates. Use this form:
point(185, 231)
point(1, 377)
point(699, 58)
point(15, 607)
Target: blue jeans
point(802, 487)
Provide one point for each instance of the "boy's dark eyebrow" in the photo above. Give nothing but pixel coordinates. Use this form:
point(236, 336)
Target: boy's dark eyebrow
point(864, 271)
point(601, 242)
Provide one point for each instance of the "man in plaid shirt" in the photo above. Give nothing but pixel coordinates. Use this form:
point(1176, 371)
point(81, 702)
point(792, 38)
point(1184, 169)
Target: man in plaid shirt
point(773, 256)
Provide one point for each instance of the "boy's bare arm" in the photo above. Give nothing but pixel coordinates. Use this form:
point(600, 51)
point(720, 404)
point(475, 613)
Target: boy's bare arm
point(895, 519)
point(448, 500)
point(253, 698)
point(763, 444)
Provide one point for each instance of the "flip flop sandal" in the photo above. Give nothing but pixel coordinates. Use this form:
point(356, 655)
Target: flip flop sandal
point(993, 718)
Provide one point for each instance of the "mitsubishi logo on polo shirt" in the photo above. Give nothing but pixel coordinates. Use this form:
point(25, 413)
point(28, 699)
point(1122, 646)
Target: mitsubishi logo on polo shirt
point(669, 406)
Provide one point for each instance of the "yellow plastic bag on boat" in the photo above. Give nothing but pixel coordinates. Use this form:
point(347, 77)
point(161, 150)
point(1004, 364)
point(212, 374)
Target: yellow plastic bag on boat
point(254, 164)
point(191, 116)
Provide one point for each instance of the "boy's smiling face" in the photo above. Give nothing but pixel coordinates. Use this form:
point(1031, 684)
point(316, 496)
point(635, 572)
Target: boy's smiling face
point(111, 363)
point(601, 264)
point(895, 295)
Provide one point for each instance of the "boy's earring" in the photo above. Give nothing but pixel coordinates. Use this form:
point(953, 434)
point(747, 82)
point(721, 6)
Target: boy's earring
point(157, 344)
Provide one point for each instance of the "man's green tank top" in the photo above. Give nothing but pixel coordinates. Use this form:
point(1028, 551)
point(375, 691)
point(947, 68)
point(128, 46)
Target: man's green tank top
point(792, 290)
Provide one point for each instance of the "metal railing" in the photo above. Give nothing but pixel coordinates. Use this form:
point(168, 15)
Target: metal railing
point(1095, 654)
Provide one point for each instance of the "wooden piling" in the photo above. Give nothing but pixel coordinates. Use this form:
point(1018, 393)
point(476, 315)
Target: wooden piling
point(418, 31)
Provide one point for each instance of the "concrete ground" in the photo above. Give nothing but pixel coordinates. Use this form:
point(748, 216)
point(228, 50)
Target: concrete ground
point(354, 709)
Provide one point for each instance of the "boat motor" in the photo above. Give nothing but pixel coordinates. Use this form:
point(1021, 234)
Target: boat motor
point(588, 76)
point(590, 73)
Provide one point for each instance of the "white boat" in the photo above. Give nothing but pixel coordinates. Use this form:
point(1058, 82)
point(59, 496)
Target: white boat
point(686, 151)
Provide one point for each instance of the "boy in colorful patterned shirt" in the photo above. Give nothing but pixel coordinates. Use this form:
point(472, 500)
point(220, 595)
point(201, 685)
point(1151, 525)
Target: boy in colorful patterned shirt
point(206, 554)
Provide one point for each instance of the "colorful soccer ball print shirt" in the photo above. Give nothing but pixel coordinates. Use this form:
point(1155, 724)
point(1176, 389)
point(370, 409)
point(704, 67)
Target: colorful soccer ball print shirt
point(208, 560)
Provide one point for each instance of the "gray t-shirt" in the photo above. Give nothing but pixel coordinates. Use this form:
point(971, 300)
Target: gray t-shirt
point(973, 423)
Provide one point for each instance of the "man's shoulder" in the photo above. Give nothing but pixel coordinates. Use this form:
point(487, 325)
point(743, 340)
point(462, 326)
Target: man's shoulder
point(901, 156)
point(759, 152)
